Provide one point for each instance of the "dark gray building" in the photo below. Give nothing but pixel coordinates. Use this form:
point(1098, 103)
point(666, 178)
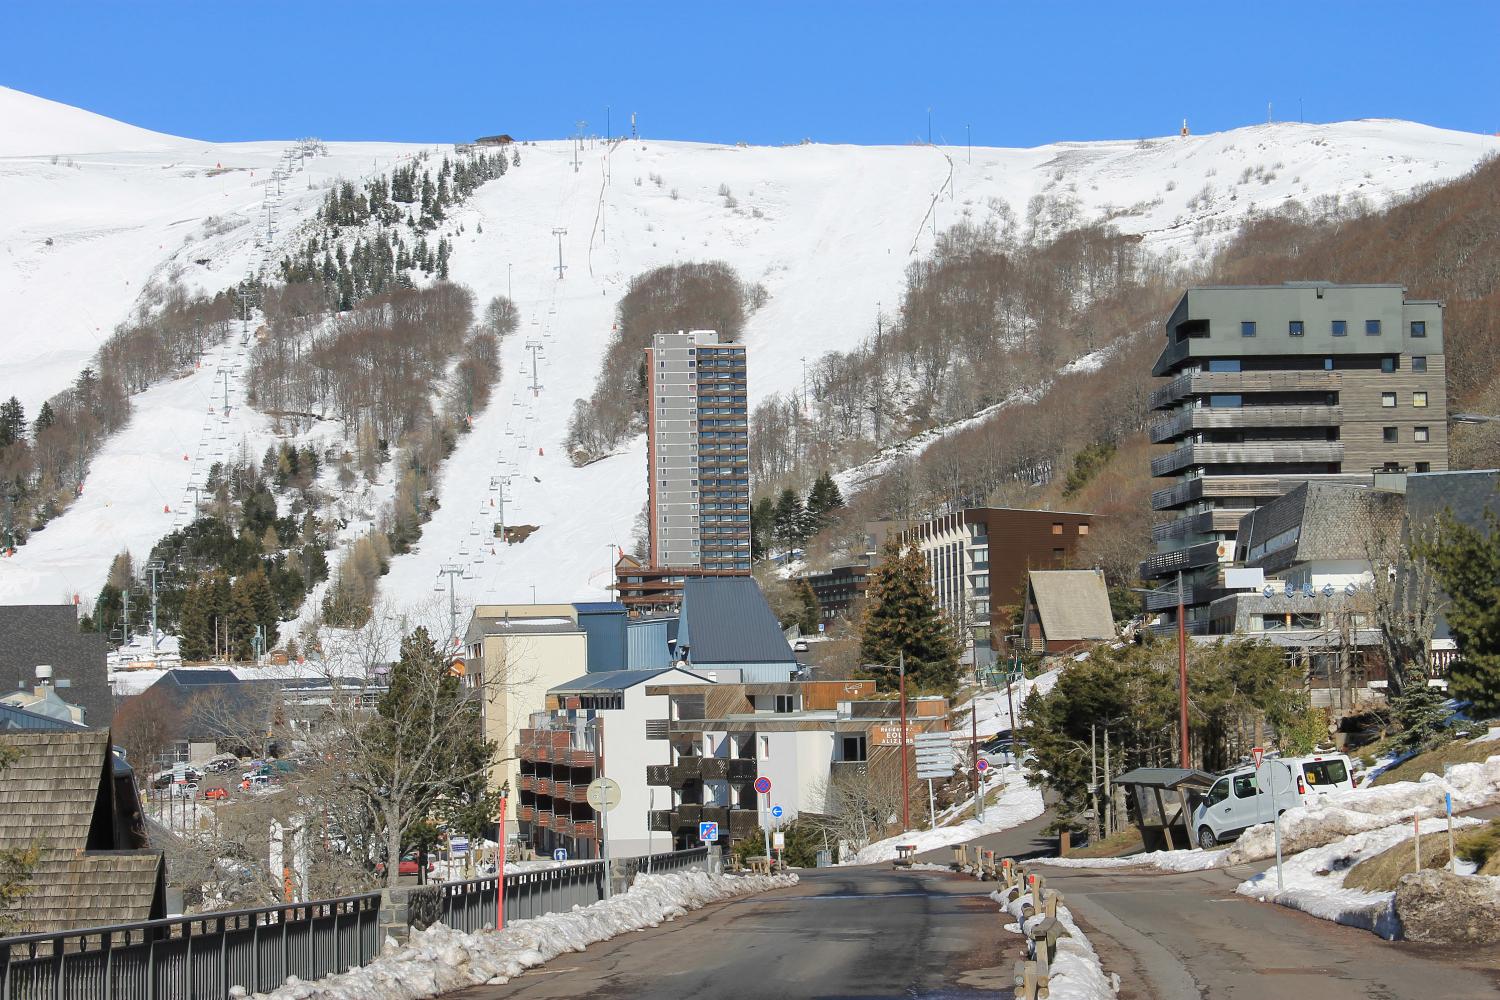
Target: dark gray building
point(1272, 386)
point(36, 634)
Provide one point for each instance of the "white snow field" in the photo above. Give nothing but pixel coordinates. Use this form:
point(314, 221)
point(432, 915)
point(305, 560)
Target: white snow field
point(1015, 802)
point(828, 230)
point(439, 960)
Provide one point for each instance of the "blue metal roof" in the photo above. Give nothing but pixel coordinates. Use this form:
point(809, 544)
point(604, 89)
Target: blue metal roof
point(727, 620)
point(14, 719)
point(599, 607)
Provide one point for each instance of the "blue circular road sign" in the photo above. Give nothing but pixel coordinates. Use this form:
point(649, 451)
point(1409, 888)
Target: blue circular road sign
point(776, 811)
point(561, 854)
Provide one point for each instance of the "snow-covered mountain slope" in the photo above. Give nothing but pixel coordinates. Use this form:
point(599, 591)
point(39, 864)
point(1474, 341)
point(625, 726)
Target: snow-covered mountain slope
point(828, 230)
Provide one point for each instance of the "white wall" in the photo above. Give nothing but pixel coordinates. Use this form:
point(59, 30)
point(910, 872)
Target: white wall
point(627, 752)
point(798, 766)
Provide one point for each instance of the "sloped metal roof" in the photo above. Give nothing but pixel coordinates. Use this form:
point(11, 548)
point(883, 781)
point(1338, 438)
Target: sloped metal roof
point(727, 620)
point(612, 680)
point(1073, 604)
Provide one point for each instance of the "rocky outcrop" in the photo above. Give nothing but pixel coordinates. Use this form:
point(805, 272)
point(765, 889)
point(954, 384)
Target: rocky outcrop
point(1438, 907)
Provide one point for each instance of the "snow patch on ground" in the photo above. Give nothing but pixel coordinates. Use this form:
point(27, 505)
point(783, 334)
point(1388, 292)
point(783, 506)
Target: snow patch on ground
point(994, 709)
point(1076, 972)
point(1195, 860)
point(439, 959)
point(1314, 880)
point(1016, 803)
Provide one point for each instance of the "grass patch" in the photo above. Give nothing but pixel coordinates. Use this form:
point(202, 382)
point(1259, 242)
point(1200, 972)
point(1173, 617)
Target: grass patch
point(1458, 752)
point(1481, 845)
point(1116, 845)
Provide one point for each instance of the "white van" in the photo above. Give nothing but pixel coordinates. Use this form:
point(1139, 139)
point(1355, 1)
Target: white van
point(1244, 797)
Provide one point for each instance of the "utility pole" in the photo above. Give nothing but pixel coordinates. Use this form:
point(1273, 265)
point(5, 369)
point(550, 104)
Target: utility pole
point(509, 291)
point(125, 621)
point(578, 145)
point(1182, 675)
point(450, 571)
point(905, 772)
point(561, 267)
point(154, 567)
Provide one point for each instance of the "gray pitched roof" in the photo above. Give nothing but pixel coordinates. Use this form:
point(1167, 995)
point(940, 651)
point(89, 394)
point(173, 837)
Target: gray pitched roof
point(19, 719)
point(727, 620)
point(613, 680)
point(48, 633)
point(1318, 520)
point(1072, 604)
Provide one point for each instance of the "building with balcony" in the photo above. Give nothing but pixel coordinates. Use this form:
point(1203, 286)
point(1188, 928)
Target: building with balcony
point(978, 560)
point(592, 726)
point(838, 589)
point(1268, 387)
point(799, 735)
point(698, 452)
point(657, 590)
point(515, 654)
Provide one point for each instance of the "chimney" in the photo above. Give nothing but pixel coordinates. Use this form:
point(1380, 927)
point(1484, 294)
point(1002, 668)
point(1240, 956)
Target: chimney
point(43, 677)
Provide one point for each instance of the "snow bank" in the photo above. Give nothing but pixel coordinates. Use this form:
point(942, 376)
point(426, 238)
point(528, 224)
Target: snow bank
point(1359, 810)
point(1314, 880)
point(438, 959)
point(1195, 860)
point(1076, 973)
point(1016, 803)
point(994, 710)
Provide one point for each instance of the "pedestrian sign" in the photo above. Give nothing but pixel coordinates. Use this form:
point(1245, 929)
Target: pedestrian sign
point(708, 832)
point(763, 785)
point(776, 811)
point(561, 854)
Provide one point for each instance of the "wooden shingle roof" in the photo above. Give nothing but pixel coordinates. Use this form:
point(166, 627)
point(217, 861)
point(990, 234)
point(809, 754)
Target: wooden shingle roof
point(62, 796)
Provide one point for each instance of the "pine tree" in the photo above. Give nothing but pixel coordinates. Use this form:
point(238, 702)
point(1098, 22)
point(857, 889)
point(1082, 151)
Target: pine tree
point(12, 422)
point(822, 500)
point(811, 612)
point(46, 418)
point(1424, 717)
point(901, 617)
point(790, 519)
point(242, 619)
point(1466, 561)
point(762, 527)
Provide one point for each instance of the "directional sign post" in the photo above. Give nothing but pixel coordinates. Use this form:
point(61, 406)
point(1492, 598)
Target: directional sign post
point(561, 854)
point(604, 794)
point(776, 811)
point(934, 760)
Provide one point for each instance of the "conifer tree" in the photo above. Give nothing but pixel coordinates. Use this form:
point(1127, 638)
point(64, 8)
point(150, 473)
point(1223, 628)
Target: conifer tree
point(811, 612)
point(1466, 561)
point(901, 617)
point(762, 527)
point(12, 422)
point(822, 500)
point(790, 519)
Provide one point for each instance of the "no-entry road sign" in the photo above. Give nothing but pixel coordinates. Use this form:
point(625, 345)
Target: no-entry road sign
point(763, 785)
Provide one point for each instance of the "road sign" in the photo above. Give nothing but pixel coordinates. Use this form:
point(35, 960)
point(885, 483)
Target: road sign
point(708, 832)
point(604, 794)
point(776, 811)
point(561, 854)
point(981, 765)
point(1257, 754)
point(778, 840)
point(763, 785)
point(458, 845)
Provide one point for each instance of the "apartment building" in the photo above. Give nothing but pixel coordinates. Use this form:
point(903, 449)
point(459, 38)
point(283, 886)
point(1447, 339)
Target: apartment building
point(800, 735)
point(593, 726)
point(1270, 387)
point(978, 559)
point(697, 450)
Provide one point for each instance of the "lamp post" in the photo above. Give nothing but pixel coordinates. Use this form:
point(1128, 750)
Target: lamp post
point(900, 669)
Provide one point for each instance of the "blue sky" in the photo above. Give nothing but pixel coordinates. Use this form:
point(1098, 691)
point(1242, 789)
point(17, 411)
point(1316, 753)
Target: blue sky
point(1018, 74)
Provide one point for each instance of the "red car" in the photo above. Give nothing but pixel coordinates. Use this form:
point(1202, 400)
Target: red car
point(216, 793)
point(408, 866)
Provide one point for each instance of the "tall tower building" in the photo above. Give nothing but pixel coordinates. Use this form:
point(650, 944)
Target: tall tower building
point(697, 447)
point(1270, 387)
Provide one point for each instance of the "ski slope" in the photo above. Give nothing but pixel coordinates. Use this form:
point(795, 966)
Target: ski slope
point(827, 230)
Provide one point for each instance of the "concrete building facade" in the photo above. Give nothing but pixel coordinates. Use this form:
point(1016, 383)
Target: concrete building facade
point(698, 454)
point(1270, 387)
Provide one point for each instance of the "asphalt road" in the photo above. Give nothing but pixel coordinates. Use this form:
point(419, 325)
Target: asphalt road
point(840, 933)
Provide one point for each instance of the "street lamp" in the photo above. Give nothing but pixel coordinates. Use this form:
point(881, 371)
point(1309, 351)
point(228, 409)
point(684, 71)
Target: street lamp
point(1182, 675)
point(900, 669)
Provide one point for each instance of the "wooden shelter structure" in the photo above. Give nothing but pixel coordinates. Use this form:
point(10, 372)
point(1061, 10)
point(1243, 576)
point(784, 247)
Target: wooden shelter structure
point(1163, 799)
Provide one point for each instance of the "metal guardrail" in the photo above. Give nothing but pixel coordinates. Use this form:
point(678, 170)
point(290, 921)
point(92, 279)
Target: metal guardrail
point(193, 957)
point(201, 956)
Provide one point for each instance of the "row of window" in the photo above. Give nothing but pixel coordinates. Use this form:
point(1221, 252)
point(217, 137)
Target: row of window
point(1392, 435)
point(1418, 399)
point(1338, 327)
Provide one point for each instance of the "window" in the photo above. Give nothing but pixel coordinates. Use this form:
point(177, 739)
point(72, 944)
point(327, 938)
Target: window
point(1372, 328)
point(1244, 786)
point(1424, 466)
point(1294, 328)
point(1223, 364)
point(1057, 555)
point(1247, 328)
point(1419, 434)
point(1388, 399)
point(1341, 328)
point(854, 747)
point(1083, 529)
point(1418, 328)
point(1057, 527)
point(1419, 399)
point(786, 703)
point(765, 748)
point(1219, 792)
point(1419, 363)
point(1226, 401)
point(1389, 365)
point(1326, 772)
point(1389, 434)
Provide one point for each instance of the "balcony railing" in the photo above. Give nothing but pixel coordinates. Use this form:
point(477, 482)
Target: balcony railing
point(1227, 519)
point(1166, 597)
point(1210, 418)
point(1189, 455)
point(1162, 563)
point(1205, 383)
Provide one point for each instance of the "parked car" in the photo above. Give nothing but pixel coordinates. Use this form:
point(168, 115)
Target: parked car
point(1249, 796)
point(185, 790)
